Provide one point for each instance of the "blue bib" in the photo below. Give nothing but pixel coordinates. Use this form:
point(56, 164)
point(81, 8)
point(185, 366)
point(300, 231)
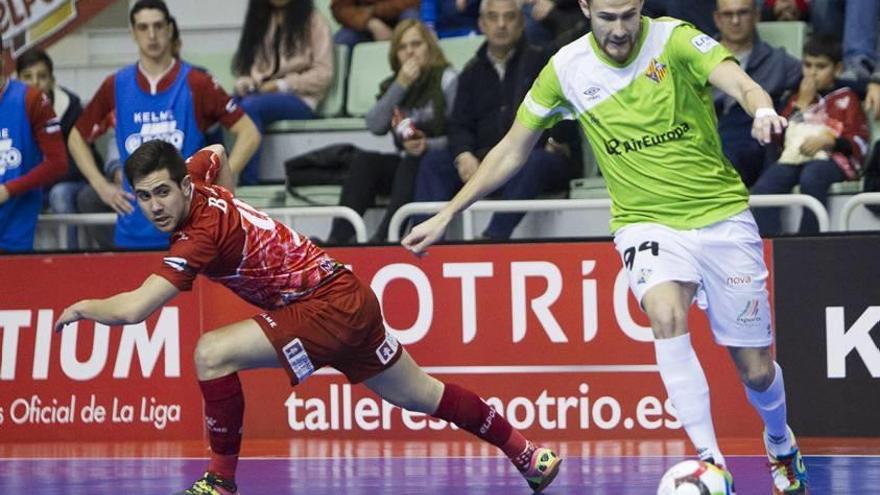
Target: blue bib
point(19, 154)
point(168, 115)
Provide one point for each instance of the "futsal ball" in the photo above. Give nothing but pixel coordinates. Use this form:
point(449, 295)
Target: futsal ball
point(694, 478)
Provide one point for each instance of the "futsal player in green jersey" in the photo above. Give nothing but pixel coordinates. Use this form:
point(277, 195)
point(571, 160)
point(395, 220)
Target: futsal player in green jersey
point(641, 90)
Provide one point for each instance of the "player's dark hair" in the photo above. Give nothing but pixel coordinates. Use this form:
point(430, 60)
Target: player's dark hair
point(294, 31)
point(149, 4)
point(824, 45)
point(153, 156)
point(32, 57)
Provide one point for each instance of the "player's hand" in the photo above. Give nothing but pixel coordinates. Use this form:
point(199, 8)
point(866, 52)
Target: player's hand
point(4, 194)
point(70, 314)
point(425, 234)
point(766, 124)
point(872, 100)
point(815, 144)
point(116, 197)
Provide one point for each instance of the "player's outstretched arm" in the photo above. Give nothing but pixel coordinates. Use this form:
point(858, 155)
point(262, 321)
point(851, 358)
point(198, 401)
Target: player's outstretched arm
point(499, 165)
point(729, 77)
point(123, 308)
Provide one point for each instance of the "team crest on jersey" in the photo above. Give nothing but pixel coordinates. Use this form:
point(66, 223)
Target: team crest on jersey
point(656, 71)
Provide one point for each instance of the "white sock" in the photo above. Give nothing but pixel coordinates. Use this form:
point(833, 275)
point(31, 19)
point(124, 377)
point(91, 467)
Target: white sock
point(770, 404)
point(687, 388)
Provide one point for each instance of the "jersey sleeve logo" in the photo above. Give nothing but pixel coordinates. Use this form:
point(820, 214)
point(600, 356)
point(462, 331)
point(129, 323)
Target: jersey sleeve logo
point(656, 71)
point(178, 264)
point(704, 42)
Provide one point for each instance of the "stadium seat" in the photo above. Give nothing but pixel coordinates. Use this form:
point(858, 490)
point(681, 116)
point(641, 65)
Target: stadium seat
point(332, 104)
point(369, 67)
point(323, 7)
point(459, 50)
point(217, 64)
point(330, 110)
point(789, 35)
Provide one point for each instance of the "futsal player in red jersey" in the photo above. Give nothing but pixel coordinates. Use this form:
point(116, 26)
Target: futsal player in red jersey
point(316, 313)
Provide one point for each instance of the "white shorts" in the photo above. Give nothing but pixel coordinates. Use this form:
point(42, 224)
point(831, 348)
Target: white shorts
point(725, 260)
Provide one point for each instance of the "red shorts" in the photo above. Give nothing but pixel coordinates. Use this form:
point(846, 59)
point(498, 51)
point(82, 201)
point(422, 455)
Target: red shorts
point(339, 325)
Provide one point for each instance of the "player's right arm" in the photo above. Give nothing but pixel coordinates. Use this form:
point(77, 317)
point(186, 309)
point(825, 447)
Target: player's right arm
point(499, 165)
point(123, 308)
point(543, 106)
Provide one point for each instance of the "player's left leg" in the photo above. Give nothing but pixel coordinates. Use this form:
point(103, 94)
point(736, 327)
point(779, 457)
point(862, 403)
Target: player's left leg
point(406, 385)
point(738, 306)
point(219, 355)
point(765, 388)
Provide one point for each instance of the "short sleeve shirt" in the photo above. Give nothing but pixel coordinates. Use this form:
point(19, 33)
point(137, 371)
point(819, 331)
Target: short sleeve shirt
point(650, 121)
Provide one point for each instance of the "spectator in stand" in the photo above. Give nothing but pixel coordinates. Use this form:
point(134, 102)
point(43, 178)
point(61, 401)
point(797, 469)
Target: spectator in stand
point(697, 12)
point(35, 68)
point(777, 72)
point(448, 18)
point(490, 87)
point(32, 157)
point(414, 104)
point(284, 65)
point(159, 97)
point(370, 20)
point(554, 22)
point(826, 141)
point(860, 55)
point(785, 10)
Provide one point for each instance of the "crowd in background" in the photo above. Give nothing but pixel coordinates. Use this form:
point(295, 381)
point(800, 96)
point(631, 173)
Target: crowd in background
point(442, 121)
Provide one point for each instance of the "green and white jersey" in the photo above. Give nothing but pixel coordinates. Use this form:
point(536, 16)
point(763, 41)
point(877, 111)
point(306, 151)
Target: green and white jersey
point(650, 121)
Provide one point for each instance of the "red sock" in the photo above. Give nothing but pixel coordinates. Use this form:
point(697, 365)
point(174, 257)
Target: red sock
point(224, 415)
point(465, 408)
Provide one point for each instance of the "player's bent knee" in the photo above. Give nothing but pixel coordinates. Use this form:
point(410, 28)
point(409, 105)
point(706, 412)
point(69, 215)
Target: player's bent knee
point(667, 321)
point(211, 359)
point(757, 377)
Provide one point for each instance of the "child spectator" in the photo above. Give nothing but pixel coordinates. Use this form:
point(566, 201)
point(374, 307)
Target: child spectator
point(826, 140)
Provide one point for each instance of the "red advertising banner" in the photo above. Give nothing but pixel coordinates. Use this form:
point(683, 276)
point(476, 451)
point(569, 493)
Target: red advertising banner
point(547, 333)
point(92, 382)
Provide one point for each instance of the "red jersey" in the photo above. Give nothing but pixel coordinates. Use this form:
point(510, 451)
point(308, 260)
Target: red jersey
point(265, 262)
point(211, 103)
